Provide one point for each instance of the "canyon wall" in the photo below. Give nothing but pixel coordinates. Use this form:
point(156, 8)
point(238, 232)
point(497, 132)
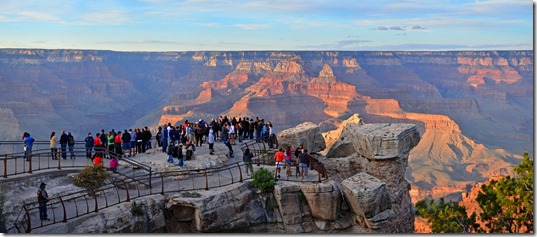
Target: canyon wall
point(462, 102)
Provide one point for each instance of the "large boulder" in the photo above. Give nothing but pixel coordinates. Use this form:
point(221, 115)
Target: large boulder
point(307, 134)
point(369, 199)
point(381, 141)
point(323, 199)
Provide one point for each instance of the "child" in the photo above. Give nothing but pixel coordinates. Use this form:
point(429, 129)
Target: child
point(113, 164)
point(97, 160)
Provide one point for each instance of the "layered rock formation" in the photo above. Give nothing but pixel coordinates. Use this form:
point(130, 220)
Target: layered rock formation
point(462, 102)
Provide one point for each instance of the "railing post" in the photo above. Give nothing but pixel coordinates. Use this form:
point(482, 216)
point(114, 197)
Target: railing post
point(29, 226)
point(150, 186)
point(95, 198)
point(5, 165)
point(127, 189)
point(30, 165)
point(240, 173)
point(64, 212)
point(59, 160)
point(162, 182)
point(206, 181)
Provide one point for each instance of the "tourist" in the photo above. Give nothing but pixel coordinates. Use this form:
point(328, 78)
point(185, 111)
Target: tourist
point(199, 133)
point(228, 145)
point(298, 150)
point(53, 145)
point(232, 134)
point(104, 140)
point(210, 141)
point(279, 156)
point(247, 159)
point(132, 145)
point(28, 144)
point(303, 159)
point(158, 137)
point(190, 148)
point(258, 128)
point(288, 158)
point(174, 136)
point(125, 142)
point(180, 155)
point(113, 164)
point(63, 144)
point(98, 159)
point(139, 140)
point(71, 144)
point(271, 135)
point(117, 143)
point(164, 138)
point(146, 139)
point(251, 128)
point(42, 199)
point(90, 143)
point(239, 130)
point(99, 145)
point(110, 140)
point(225, 133)
point(172, 152)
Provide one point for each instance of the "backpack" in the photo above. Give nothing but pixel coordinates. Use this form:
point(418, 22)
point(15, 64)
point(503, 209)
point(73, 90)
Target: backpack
point(71, 140)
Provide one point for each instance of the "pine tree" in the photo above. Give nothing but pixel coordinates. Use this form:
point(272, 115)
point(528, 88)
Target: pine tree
point(447, 217)
point(507, 203)
point(507, 206)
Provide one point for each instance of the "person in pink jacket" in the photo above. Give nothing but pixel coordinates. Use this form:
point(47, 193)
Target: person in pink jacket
point(113, 164)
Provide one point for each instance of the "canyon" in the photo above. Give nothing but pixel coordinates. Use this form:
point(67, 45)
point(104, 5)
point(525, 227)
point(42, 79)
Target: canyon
point(473, 109)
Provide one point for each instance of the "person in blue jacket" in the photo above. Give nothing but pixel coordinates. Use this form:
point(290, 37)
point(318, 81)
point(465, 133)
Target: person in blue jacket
point(28, 144)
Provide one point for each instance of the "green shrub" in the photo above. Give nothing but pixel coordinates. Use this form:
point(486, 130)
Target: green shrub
point(263, 180)
point(137, 210)
point(91, 177)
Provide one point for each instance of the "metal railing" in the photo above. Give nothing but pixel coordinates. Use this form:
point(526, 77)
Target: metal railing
point(117, 191)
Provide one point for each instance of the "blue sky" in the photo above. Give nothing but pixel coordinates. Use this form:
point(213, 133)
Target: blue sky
point(166, 25)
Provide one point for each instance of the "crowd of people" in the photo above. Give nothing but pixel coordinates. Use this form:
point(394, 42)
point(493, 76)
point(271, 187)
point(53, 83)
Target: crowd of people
point(177, 141)
point(284, 159)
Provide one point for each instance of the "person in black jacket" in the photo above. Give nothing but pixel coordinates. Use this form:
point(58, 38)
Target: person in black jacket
point(63, 144)
point(126, 142)
point(89, 145)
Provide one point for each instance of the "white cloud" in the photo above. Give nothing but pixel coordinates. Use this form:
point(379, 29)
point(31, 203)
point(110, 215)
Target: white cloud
point(252, 26)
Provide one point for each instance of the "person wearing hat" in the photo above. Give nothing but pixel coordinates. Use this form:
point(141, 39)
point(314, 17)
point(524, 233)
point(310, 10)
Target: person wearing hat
point(42, 198)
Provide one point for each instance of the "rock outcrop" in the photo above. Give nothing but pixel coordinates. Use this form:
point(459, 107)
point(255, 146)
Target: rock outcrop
point(308, 134)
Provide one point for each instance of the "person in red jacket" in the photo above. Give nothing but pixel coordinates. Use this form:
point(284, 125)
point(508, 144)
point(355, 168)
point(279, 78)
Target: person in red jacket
point(279, 156)
point(117, 143)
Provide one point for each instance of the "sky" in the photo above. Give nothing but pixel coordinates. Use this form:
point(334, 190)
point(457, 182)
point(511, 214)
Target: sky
point(192, 25)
